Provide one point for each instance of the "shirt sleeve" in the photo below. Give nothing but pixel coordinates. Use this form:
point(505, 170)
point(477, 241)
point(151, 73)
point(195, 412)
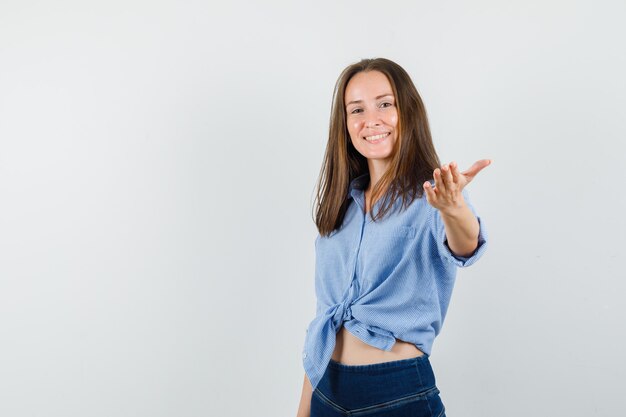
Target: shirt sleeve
point(442, 241)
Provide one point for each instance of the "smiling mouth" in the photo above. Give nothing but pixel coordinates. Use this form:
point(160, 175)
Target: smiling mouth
point(376, 138)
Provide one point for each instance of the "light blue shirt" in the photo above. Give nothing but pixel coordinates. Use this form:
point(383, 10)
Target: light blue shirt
point(384, 280)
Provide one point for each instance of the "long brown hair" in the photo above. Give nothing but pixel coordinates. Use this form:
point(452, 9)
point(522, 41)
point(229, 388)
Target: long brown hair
point(414, 157)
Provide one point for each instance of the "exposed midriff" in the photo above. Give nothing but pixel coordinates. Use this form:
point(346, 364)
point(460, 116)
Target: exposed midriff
point(350, 350)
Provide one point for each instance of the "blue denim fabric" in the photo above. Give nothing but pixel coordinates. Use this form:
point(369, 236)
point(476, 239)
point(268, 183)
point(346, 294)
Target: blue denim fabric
point(391, 389)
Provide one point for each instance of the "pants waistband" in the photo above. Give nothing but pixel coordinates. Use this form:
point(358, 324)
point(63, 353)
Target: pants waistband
point(400, 363)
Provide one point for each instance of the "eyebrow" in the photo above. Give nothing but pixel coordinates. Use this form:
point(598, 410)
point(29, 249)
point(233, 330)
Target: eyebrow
point(360, 101)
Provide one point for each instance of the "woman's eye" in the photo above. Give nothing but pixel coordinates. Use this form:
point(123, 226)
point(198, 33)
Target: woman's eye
point(383, 105)
point(355, 111)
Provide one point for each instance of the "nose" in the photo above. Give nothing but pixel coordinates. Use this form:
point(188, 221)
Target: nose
point(371, 118)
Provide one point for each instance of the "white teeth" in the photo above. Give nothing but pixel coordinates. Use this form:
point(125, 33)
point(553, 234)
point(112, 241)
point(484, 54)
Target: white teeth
point(376, 137)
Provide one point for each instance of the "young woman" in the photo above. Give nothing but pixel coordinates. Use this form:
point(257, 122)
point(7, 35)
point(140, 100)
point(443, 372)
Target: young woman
point(393, 228)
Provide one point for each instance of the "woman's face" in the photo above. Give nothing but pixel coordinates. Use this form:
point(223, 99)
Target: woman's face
point(371, 115)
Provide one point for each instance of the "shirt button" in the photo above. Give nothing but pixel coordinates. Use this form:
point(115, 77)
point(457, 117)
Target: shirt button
point(304, 355)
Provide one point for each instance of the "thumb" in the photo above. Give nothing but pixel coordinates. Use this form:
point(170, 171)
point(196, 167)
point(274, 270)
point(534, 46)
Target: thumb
point(476, 168)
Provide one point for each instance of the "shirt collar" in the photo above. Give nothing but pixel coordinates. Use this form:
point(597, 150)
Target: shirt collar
point(358, 183)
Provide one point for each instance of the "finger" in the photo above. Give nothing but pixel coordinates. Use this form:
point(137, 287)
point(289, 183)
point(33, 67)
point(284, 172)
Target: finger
point(447, 178)
point(429, 191)
point(439, 180)
point(455, 172)
point(459, 178)
point(484, 163)
point(477, 166)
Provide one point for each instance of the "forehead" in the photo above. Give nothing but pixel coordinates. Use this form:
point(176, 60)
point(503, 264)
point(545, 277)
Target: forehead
point(367, 85)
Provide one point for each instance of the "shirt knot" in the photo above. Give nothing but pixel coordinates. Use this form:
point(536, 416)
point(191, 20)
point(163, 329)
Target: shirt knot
point(342, 313)
point(347, 315)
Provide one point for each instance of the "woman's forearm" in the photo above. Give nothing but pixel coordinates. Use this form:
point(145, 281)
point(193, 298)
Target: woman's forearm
point(461, 230)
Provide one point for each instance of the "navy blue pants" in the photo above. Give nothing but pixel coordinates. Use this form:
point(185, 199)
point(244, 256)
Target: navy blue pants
point(404, 387)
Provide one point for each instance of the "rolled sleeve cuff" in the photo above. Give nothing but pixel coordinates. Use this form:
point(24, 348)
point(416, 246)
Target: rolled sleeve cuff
point(463, 261)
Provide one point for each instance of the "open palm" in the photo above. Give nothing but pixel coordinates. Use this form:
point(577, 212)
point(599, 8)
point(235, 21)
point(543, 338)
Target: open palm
point(449, 182)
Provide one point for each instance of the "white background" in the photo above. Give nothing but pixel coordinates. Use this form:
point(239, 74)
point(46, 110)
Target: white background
point(157, 169)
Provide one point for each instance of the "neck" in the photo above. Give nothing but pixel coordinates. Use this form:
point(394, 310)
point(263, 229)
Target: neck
point(376, 168)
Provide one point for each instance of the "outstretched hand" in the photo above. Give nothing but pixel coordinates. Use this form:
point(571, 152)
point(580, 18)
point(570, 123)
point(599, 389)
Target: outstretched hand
point(449, 182)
